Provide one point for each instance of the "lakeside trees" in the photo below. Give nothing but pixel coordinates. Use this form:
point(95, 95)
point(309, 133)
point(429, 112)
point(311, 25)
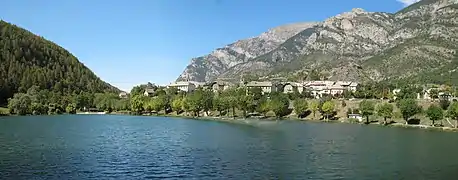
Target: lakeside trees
point(385, 110)
point(328, 109)
point(300, 106)
point(435, 113)
point(409, 107)
point(452, 112)
point(366, 108)
point(233, 102)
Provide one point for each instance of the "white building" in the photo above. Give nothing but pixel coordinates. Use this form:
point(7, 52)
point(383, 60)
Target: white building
point(266, 87)
point(337, 90)
point(353, 86)
point(149, 92)
point(185, 86)
point(291, 86)
point(220, 86)
point(319, 88)
point(123, 95)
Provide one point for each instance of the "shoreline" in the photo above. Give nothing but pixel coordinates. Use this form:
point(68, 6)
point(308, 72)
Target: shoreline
point(91, 113)
point(249, 121)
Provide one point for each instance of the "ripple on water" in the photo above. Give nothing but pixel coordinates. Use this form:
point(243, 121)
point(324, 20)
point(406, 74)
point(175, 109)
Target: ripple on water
point(127, 147)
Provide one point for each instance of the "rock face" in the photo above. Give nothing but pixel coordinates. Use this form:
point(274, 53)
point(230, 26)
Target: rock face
point(210, 66)
point(416, 43)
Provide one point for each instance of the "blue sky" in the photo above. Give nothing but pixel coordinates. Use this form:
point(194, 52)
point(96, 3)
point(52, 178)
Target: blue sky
point(132, 42)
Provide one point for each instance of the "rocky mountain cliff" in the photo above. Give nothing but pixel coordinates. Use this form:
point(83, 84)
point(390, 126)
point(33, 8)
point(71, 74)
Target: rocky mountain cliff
point(210, 66)
point(417, 43)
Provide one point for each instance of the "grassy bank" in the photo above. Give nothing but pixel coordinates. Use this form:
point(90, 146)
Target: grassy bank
point(4, 111)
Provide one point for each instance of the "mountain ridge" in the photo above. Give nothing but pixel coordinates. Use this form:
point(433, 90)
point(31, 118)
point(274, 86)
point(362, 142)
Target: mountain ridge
point(355, 45)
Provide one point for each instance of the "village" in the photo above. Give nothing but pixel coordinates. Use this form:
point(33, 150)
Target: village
point(316, 89)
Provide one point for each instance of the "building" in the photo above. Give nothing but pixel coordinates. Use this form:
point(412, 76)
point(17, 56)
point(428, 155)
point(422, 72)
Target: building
point(395, 92)
point(353, 86)
point(320, 88)
point(319, 85)
point(356, 116)
point(220, 85)
point(123, 95)
point(266, 87)
point(149, 92)
point(337, 90)
point(290, 87)
point(197, 84)
point(185, 86)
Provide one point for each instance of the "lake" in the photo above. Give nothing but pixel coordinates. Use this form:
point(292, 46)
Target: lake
point(136, 147)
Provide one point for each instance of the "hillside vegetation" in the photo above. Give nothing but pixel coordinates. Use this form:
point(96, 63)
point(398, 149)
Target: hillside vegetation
point(28, 60)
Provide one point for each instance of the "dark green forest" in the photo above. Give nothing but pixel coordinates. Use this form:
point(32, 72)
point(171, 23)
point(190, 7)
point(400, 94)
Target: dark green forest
point(28, 60)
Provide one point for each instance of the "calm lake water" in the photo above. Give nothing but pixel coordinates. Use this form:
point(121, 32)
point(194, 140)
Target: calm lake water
point(129, 147)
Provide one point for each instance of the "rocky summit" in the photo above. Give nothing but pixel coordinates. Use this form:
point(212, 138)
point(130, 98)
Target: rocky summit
point(418, 43)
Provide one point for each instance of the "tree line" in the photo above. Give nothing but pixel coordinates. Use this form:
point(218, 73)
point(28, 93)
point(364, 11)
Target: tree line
point(38, 101)
point(234, 102)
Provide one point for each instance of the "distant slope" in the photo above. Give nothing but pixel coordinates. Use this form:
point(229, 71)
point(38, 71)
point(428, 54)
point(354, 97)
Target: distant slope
point(417, 43)
point(27, 60)
point(210, 66)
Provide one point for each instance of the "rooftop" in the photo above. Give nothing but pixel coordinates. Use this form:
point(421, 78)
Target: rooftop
point(181, 83)
point(259, 84)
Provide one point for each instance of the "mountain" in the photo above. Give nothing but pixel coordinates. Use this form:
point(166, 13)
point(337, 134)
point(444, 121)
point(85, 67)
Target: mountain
point(418, 43)
point(210, 66)
point(28, 60)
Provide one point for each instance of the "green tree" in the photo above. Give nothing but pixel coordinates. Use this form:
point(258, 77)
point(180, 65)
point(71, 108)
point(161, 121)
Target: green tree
point(157, 104)
point(185, 103)
point(122, 105)
point(434, 94)
point(161, 103)
point(138, 90)
point(409, 108)
point(195, 102)
point(71, 109)
point(244, 101)
point(20, 104)
point(328, 109)
point(39, 109)
point(148, 105)
point(264, 107)
point(452, 112)
point(314, 107)
point(444, 104)
point(367, 109)
point(177, 105)
point(408, 92)
point(385, 110)
point(279, 104)
point(300, 106)
point(220, 104)
point(346, 94)
point(256, 92)
point(231, 95)
point(136, 104)
point(54, 108)
point(207, 101)
point(435, 113)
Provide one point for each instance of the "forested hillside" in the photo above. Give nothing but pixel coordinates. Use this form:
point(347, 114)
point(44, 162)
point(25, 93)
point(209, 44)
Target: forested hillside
point(28, 60)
